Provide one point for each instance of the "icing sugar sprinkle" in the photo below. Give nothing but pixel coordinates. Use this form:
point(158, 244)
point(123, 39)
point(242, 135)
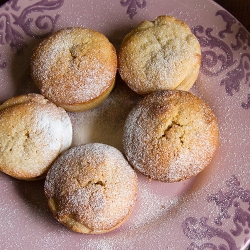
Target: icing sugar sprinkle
point(66, 67)
point(93, 185)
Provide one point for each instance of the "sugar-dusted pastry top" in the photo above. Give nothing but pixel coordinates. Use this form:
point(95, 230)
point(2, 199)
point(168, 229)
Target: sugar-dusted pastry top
point(33, 132)
point(170, 135)
point(91, 188)
point(75, 68)
point(158, 55)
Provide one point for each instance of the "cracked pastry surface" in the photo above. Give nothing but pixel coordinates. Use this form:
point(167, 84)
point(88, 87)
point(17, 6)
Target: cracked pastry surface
point(158, 55)
point(33, 132)
point(91, 188)
point(170, 135)
point(75, 68)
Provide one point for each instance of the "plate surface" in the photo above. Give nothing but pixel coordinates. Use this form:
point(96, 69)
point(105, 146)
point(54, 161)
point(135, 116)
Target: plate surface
point(210, 211)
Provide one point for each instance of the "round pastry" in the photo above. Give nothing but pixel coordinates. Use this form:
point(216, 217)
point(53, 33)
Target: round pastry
point(159, 55)
point(33, 132)
point(75, 68)
point(91, 188)
point(170, 136)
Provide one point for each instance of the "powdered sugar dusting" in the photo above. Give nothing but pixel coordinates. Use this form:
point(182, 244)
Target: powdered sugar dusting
point(105, 123)
point(170, 139)
point(67, 131)
point(46, 127)
point(93, 185)
point(32, 135)
point(158, 55)
point(73, 67)
point(149, 211)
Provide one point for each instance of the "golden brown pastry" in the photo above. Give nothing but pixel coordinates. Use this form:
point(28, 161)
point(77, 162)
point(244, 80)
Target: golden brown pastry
point(159, 55)
point(170, 135)
point(75, 68)
point(91, 188)
point(33, 132)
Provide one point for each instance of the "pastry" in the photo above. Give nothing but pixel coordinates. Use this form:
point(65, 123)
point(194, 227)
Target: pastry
point(91, 188)
point(170, 135)
point(33, 132)
point(75, 68)
point(159, 55)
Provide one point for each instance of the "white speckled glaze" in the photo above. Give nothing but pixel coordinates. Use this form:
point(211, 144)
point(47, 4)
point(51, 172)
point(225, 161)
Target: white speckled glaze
point(210, 211)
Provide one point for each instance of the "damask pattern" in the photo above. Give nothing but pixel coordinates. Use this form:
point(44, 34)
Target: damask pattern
point(31, 19)
point(236, 72)
point(199, 230)
point(132, 6)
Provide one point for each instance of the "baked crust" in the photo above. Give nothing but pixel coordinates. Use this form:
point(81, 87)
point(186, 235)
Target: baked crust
point(75, 68)
point(170, 135)
point(91, 188)
point(33, 132)
point(159, 55)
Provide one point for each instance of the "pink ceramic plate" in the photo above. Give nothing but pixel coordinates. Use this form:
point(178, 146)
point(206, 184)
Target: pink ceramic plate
point(210, 211)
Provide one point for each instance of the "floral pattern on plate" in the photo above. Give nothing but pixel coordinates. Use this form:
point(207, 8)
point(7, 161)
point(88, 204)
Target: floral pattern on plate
point(132, 6)
point(35, 26)
point(199, 230)
point(236, 74)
